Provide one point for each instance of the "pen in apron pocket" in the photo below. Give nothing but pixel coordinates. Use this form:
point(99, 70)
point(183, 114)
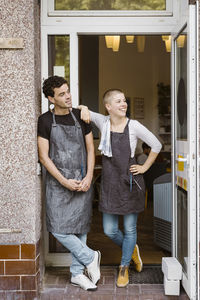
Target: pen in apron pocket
point(131, 182)
point(82, 170)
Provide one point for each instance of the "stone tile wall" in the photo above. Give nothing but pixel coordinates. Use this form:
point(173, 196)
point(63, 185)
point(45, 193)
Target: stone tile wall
point(20, 197)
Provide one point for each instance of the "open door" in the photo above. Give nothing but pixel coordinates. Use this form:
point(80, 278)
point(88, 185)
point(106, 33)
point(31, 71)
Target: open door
point(185, 154)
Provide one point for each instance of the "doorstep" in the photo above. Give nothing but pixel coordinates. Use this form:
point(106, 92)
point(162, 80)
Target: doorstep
point(57, 286)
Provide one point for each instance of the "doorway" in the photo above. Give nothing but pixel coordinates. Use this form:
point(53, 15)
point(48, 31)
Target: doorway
point(170, 21)
point(143, 73)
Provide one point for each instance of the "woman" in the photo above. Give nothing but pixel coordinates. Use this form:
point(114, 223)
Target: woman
point(122, 184)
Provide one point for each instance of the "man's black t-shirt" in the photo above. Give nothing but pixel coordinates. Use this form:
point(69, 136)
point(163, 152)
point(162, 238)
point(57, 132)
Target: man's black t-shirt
point(45, 122)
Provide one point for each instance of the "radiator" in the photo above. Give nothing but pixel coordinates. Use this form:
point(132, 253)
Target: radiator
point(162, 198)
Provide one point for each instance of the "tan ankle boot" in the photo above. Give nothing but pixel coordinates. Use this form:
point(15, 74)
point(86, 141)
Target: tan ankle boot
point(123, 278)
point(137, 259)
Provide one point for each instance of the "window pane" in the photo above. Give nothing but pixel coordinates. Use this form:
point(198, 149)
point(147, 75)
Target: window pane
point(181, 142)
point(181, 87)
point(58, 53)
point(110, 5)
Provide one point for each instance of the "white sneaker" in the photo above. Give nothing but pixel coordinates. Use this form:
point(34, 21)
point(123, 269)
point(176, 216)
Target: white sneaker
point(93, 269)
point(84, 282)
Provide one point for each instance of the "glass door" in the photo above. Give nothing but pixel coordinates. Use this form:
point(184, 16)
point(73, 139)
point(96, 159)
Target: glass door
point(57, 57)
point(184, 61)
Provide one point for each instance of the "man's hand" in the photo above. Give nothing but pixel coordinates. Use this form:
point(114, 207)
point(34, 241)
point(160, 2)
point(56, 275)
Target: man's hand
point(85, 184)
point(85, 113)
point(71, 184)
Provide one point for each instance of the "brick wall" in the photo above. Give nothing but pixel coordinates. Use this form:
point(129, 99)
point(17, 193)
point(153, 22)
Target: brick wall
point(19, 271)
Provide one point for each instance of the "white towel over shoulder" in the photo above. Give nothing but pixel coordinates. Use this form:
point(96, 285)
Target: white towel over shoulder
point(105, 143)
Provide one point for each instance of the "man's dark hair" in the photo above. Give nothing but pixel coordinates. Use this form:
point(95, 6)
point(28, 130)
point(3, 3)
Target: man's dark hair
point(51, 83)
point(145, 146)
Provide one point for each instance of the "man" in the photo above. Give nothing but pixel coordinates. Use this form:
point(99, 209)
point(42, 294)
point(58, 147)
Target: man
point(143, 156)
point(66, 150)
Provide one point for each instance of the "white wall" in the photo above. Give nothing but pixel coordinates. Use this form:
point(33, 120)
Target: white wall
point(137, 74)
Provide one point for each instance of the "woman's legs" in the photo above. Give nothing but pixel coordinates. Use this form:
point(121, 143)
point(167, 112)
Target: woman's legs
point(111, 229)
point(127, 240)
point(130, 238)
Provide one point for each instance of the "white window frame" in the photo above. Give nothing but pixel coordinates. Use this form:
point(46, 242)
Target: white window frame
point(54, 13)
point(151, 18)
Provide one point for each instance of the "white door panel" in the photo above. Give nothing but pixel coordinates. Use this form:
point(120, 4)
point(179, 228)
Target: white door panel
point(185, 154)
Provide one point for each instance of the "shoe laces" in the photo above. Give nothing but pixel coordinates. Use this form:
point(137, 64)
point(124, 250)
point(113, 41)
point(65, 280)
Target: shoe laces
point(123, 270)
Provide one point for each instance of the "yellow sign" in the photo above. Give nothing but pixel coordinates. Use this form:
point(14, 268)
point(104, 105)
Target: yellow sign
point(180, 164)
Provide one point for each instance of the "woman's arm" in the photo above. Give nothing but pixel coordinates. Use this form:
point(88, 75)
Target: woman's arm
point(140, 169)
point(150, 139)
point(90, 116)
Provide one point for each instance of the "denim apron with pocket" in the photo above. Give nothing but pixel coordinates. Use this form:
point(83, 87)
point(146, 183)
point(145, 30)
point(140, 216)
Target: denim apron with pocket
point(121, 192)
point(67, 211)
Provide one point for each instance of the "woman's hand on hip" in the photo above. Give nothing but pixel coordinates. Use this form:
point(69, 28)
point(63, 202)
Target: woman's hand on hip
point(137, 169)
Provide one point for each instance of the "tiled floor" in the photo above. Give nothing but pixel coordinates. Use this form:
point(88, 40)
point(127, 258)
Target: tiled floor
point(57, 287)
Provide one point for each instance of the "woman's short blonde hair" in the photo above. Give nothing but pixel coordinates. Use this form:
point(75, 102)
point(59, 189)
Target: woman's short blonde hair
point(107, 96)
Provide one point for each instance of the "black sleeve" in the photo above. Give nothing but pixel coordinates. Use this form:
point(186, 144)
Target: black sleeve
point(43, 128)
point(88, 128)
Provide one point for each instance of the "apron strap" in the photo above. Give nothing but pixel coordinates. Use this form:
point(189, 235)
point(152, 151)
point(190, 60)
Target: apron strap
point(75, 120)
point(54, 119)
point(77, 125)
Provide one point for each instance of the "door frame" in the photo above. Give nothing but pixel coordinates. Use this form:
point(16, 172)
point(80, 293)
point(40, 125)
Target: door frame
point(53, 24)
point(191, 20)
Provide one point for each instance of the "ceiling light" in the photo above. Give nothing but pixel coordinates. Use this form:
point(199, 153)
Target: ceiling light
point(109, 41)
point(140, 43)
point(129, 38)
point(165, 37)
point(168, 44)
point(181, 41)
point(116, 42)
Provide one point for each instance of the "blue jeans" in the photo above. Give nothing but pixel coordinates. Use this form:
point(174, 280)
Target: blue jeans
point(126, 240)
point(82, 255)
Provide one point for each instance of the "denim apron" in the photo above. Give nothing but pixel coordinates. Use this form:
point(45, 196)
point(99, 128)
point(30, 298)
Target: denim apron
point(121, 192)
point(67, 211)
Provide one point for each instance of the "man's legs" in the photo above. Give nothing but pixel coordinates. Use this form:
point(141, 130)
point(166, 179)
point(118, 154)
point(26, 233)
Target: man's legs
point(76, 266)
point(82, 255)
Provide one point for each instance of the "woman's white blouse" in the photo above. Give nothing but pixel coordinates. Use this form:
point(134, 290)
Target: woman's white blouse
point(136, 131)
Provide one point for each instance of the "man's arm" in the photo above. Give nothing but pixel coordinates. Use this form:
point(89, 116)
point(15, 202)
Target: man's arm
point(86, 182)
point(43, 150)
